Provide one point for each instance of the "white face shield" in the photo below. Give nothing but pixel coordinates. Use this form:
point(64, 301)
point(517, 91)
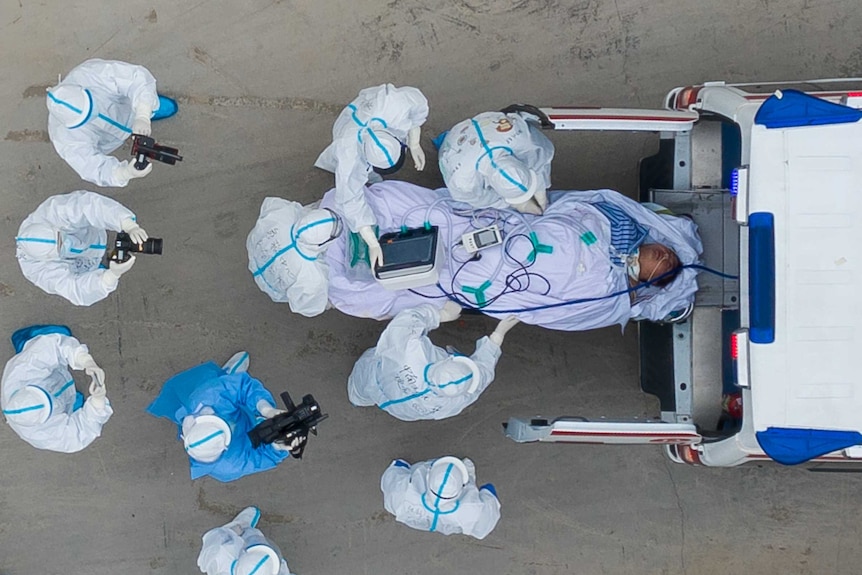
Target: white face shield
point(257, 560)
point(510, 178)
point(454, 375)
point(314, 231)
point(446, 481)
point(40, 241)
point(29, 406)
point(70, 104)
point(382, 149)
point(206, 437)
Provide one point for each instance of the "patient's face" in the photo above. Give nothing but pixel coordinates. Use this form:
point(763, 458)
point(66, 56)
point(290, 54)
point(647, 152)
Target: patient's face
point(655, 260)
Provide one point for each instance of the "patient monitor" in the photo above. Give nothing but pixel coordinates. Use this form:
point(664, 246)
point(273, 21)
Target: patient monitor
point(410, 258)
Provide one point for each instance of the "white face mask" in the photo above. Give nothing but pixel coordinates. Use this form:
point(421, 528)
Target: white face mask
point(633, 266)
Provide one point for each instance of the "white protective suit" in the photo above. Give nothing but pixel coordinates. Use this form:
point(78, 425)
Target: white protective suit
point(284, 265)
point(44, 362)
point(409, 495)
point(117, 88)
point(224, 548)
point(570, 261)
point(471, 149)
point(397, 110)
point(398, 375)
point(81, 218)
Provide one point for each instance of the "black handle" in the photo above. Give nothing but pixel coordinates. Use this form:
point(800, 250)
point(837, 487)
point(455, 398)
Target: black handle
point(544, 120)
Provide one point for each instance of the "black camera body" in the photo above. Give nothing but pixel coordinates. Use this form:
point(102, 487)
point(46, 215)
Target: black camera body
point(124, 247)
point(144, 149)
point(286, 427)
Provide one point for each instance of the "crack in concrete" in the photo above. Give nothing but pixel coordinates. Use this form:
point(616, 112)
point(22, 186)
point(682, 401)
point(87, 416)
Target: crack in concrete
point(287, 103)
point(38, 90)
point(231, 511)
point(681, 516)
point(27, 136)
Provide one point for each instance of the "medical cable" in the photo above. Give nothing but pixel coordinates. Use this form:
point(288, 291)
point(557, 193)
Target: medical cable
point(521, 279)
point(457, 297)
point(712, 271)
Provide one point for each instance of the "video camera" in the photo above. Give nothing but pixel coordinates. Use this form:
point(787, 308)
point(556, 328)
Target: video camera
point(144, 149)
point(287, 427)
point(124, 246)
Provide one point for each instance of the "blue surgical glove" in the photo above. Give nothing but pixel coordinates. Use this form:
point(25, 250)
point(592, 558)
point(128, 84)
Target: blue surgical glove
point(401, 463)
point(489, 487)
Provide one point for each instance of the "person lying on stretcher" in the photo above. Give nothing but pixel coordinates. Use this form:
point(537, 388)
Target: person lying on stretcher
point(569, 269)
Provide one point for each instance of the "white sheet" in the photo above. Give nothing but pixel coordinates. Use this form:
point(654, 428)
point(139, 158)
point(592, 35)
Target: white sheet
point(578, 267)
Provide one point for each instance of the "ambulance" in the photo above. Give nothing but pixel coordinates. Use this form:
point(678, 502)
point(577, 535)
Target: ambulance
point(767, 363)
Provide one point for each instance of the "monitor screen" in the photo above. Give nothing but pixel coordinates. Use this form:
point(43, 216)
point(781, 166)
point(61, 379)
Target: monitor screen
point(485, 238)
point(408, 250)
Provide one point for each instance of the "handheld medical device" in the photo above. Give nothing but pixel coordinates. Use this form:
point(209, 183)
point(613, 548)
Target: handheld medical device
point(481, 239)
point(409, 258)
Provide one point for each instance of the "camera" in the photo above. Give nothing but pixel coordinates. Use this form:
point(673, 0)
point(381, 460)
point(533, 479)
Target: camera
point(144, 149)
point(295, 423)
point(124, 247)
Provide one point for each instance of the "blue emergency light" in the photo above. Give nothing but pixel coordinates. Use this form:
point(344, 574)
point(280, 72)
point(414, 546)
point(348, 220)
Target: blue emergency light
point(734, 181)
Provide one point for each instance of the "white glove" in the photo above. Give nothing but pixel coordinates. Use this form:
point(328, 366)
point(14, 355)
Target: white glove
point(541, 198)
point(85, 361)
point(503, 328)
point(82, 359)
point(531, 206)
point(115, 270)
point(141, 125)
point(375, 254)
point(97, 393)
point(450, 312)
point(126, 171)
point(266, 410)
point(279, 446)
point(471, 468)
point(416, 148)
point(135, 231)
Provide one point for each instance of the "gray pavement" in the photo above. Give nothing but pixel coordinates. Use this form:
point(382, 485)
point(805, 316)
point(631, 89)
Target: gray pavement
point(260, 83)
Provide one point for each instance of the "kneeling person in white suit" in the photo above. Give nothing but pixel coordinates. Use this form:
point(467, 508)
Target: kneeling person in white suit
point(96, 107)
point(38, 394)
point(239, 548)
point(409, 377)
point(286, 253)
point(60, 246)
point(441, 496)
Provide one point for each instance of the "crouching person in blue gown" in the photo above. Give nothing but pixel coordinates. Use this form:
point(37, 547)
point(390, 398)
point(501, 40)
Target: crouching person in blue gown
point(215, 408)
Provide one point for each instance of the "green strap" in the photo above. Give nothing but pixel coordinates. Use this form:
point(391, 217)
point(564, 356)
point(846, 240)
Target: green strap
point(538, 248)
point(478, 293)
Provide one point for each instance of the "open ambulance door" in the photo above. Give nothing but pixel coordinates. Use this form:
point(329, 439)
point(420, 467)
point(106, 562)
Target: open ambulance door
point(581, 430)
point(609, 119)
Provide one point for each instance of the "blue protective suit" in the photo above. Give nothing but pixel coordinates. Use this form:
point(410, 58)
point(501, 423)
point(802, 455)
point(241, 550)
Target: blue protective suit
point(233, 398)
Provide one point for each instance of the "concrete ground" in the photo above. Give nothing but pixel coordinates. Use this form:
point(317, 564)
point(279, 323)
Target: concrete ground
point(260, 83)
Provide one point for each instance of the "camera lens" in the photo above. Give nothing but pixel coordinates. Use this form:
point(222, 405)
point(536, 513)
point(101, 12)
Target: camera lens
point(152, 246)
